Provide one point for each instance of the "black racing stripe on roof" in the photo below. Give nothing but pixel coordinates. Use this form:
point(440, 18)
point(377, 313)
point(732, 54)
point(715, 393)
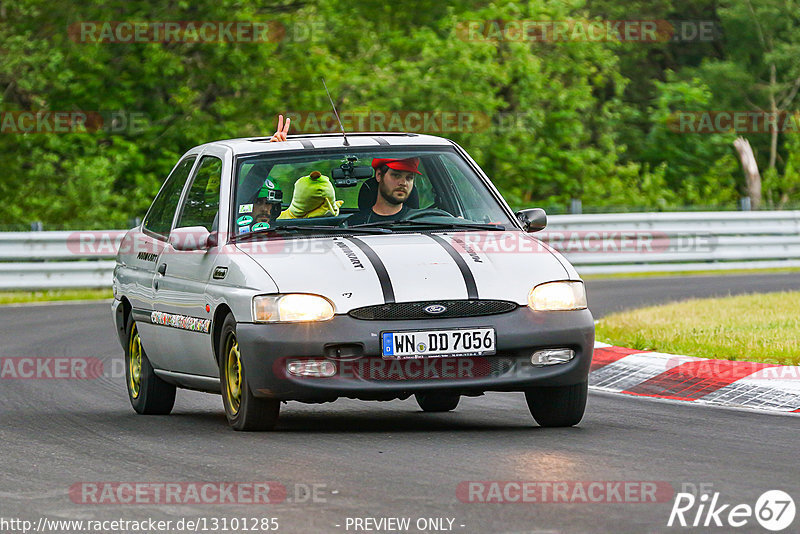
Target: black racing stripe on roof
point(380, 269)
point(306, 143)
point(381, 141)
point(469, 278)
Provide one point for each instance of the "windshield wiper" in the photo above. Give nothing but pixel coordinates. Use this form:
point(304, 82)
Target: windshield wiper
point(451, 226)
point(302, 228)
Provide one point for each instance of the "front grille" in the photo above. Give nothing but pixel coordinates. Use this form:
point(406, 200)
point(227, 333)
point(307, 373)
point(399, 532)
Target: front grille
point(416, 310)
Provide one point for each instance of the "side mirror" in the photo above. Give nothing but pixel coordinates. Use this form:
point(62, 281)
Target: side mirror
point(191, 238)
point(533, 219)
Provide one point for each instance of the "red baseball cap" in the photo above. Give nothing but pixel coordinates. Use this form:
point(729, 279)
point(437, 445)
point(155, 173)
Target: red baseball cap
point(407, 165)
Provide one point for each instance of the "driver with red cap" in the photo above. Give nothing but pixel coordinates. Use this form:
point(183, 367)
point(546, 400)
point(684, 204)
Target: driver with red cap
point(395, 179)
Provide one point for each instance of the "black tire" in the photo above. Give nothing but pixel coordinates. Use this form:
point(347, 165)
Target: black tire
point(558, 406)
point(437, 402)
point(149, 395)
point(243, 410)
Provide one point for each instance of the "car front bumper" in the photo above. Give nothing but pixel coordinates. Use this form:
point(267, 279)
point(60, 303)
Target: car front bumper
point(354, 346)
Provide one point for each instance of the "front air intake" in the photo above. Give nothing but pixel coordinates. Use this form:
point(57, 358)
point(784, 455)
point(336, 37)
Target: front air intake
point(434, 309)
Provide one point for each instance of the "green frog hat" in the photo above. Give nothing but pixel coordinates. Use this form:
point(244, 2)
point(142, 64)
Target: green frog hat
point(314, 196)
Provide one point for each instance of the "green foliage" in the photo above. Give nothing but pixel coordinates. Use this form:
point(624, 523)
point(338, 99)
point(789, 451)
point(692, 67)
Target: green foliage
point(698, 168)
point(587, 120)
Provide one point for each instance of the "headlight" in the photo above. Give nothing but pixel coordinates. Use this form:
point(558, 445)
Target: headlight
point(293, 307)
point(557, 296)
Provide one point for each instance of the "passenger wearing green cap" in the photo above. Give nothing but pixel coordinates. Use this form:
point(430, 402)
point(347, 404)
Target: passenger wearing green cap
point(267, 205)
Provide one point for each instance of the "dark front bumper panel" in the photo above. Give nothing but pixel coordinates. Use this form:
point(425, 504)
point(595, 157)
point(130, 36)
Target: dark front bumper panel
point(355, 347)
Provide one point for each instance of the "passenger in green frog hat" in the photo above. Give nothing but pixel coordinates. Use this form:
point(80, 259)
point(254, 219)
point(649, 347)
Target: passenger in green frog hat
point(313, 196)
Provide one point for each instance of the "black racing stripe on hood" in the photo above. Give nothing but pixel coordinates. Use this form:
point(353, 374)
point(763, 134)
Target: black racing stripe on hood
point(469, 278)
point(380, 269)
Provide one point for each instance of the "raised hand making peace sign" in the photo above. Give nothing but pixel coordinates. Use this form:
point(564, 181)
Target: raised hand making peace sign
point(280, 134)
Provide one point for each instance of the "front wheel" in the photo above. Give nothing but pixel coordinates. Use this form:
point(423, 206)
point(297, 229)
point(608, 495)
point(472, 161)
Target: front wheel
point(437, 402)
point(149, 395)
point(243, 410)
point(556, 406)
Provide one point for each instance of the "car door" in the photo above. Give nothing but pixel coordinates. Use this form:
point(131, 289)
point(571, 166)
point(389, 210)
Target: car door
point(182, 308)
point(149, 242)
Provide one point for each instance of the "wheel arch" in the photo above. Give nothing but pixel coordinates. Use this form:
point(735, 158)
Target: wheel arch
point(220, 313)
point(121, 319)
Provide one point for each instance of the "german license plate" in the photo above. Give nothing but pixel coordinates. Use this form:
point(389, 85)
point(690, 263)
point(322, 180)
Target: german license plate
point(438, 343)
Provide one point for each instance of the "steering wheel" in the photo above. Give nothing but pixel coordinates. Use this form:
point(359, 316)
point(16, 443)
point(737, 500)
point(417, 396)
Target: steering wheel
point(426, 212)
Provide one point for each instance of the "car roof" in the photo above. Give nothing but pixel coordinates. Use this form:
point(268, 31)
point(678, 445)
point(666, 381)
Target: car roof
point(254, 145)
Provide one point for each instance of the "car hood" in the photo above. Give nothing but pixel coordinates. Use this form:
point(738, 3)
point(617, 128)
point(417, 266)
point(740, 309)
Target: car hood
point(365, 270)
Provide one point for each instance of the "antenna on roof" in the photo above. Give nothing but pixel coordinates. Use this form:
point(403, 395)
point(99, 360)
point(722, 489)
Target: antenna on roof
point(344, 135)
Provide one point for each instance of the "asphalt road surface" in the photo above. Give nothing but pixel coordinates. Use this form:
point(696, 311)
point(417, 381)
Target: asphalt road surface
point(63, 438)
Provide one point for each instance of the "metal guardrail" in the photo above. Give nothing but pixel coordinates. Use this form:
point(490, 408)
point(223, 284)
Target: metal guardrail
point(595, 244)
point(685, 241)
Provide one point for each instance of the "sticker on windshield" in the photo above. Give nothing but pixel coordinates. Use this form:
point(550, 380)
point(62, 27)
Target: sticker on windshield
point(244, 229)
point(259, 226)
point(246, 208)
point(244, 219)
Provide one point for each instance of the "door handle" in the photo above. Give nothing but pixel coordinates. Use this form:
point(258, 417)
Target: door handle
point(162, 269)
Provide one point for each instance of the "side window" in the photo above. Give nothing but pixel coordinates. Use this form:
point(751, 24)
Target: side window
point(476, 207)
point(424, 189)
point(202, 201)
point(159, 217)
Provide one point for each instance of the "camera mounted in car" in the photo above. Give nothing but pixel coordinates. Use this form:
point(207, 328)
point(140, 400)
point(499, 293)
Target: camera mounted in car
point(348, 173)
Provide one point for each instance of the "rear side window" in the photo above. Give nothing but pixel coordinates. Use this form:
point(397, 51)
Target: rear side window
point(202, 201)
point(159, 217)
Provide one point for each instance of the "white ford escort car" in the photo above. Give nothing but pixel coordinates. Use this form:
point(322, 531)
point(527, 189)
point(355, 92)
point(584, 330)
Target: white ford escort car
point(374, 267)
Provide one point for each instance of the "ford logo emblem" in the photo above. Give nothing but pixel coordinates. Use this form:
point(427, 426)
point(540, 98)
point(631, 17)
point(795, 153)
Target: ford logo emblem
point(434, 309)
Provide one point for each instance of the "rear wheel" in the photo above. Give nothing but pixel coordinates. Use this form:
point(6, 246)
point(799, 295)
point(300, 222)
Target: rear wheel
point(149, 395)
point(559, 405)
point(437, 402)
point(243, 410)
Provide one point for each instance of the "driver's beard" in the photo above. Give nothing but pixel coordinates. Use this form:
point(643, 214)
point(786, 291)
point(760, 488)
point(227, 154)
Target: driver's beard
point(387, 196)
point(268, 215)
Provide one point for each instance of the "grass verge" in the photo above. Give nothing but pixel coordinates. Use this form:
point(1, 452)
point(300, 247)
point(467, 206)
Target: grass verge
point(689, 273)
point(756, 328)
point(54, 295)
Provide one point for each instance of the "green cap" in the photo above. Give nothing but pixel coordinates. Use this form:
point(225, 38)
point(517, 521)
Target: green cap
point(270, 191)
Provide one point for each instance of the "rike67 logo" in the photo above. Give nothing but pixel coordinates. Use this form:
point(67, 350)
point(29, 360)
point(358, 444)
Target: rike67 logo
point(774, 510)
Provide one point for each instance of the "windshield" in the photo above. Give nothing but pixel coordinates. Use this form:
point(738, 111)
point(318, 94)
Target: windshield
point(338, 190)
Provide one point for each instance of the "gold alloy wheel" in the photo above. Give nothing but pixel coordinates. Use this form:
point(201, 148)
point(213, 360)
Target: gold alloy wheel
point(233, 373)
point(134, 362)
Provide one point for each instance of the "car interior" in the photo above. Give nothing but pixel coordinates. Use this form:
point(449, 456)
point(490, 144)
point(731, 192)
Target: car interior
point(359, 193)
point(446, 187)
